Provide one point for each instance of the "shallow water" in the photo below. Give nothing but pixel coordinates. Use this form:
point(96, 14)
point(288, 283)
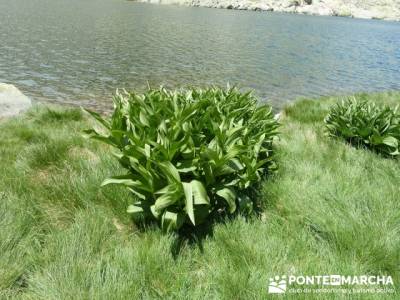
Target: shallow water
point(80, 51)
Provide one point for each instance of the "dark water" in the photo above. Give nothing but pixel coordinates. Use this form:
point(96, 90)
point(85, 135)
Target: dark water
point(80, 51)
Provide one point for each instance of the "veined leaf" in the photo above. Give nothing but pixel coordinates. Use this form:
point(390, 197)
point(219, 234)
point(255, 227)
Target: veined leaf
point(188, 190)
point(195, 194)
point(170, 171)
point(93, 134)
point(143, 119)
point(199, 193)
point(172, 221)
point(155, 212)
point(126, 180)
point(133, 209)
point(138, 194)
point(391, 141)
point(169, 195)
point(96, 116)
point(186, 166)
point(230, 197)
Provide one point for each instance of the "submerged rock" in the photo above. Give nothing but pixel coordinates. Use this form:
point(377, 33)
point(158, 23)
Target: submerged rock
point(12, 100)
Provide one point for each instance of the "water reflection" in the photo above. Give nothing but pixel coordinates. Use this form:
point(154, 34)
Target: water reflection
point(80, 51)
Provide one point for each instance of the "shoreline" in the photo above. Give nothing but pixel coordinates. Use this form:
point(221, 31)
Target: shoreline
point(21, 103)
point(347, 10)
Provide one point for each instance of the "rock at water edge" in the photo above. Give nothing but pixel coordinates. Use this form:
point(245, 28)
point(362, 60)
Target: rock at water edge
point(12, 100)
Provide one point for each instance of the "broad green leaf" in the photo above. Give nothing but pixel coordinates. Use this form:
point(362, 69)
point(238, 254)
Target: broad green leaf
point(170, 171)
point(155, 212)
point(230, 197)
point(126, 180)
point(195, 195)
point(232, 166)
point(395, 153)
point(172, 221)
point(93, 134)
point(147, 150)
point(133, 209)
point(165, 201)
point(123, 179)
point(199, 193)
point(138, 194)
point(143, 119)
point(97, 116)
point(186, 166)
point(391, 141)
point(189, 203)
point(169, 195)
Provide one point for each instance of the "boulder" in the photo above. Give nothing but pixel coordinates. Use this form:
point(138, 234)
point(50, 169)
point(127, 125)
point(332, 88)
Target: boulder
point(12, 100)
point(320, 9)
point(261, 7)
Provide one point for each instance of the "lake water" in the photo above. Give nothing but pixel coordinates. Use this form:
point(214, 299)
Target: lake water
point(80, 51)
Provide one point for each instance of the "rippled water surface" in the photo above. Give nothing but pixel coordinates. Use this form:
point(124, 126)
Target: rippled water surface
point(80, 51)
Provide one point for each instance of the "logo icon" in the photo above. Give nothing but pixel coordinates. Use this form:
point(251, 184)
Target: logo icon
point(335, 280)
point(277, 285)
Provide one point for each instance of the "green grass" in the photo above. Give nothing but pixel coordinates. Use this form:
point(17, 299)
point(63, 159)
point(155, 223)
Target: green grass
point(331, 209)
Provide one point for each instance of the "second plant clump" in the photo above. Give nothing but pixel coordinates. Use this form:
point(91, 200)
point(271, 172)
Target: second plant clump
point(365, 124)
point(190, 154)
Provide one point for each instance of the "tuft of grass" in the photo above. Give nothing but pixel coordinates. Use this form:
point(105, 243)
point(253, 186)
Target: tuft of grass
point(307, 110)
point(29, 135)
point(41, 155)
point(50, 114)
point(18, 237)
point(331, 209)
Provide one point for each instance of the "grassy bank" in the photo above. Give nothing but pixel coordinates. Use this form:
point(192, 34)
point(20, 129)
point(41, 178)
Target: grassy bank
point(331, 209)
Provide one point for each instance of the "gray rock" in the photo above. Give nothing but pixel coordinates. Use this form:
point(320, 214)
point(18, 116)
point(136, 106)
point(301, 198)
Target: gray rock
point(261, 7)
point(12, 100)
point(376, 9)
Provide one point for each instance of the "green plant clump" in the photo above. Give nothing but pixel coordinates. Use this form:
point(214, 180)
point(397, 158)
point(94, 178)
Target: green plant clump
point(366, 124)
point(190, 154)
